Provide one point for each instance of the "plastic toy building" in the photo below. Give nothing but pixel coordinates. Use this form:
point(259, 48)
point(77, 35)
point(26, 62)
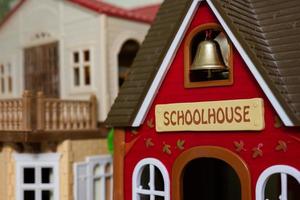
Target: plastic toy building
point(61, 64)
point(210, 109)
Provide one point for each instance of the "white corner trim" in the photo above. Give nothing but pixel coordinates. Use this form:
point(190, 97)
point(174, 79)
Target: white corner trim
point(163, 69)
point(137, 175)
point(277, 106)
point(170, 56)
point(263, 178)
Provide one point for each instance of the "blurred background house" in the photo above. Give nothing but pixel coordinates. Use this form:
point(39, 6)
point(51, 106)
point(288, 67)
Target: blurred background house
point(61, 65)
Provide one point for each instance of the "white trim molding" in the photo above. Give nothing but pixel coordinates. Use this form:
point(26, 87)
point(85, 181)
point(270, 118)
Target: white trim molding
point(167, 61)
point(136, 177)
point(37, 162)
point(283, 170)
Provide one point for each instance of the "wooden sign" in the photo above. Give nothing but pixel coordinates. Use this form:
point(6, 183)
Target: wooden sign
point(231, 115)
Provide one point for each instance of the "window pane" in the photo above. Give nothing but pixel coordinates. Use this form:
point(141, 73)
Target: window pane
point(145, 178)
point(9, 84)
point(2, 85)
point(47, 195)
point(86, 54)
point(144, 197)
point(97, 170)
point(108, 184)
point(87, 75)
point(29, 195)
point(29, 175)
point(9, 69)
point(76, 77)
point(76, 57)
point(159, 181)
point(97, 189)
point(273, 187)
point(293, 189)
point(159, 198)
point(108, 168)
point(47, 175)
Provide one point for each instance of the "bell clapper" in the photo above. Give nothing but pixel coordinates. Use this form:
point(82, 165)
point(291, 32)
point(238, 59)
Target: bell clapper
point(209, 74)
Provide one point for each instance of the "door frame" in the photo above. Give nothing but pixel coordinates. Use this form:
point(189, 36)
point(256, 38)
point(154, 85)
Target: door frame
point(220, 153)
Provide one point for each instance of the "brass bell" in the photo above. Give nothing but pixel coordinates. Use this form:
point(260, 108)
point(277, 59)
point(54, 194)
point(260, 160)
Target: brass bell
point(208, 57)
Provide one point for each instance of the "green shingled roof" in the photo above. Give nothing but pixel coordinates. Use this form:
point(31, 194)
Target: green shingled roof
point(268, 30)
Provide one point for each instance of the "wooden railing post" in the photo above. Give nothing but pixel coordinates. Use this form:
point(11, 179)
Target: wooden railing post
point(27, 110)
point(93, 111)
point(40, 109)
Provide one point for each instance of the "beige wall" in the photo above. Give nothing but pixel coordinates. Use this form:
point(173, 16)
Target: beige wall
point(7, 173)
point(75, 151)
point(71, 151)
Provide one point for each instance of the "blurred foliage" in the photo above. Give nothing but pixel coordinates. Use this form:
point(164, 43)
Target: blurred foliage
point(5, 6)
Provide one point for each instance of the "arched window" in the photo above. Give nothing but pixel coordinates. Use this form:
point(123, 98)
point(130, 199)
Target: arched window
point(125, 59)
point(279, 182)
point(93, 178)
point(150, 180)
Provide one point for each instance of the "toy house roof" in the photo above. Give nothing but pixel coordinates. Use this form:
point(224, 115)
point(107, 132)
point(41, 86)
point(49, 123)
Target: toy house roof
point(266, 34)
point(144, 14)
point(136, 15)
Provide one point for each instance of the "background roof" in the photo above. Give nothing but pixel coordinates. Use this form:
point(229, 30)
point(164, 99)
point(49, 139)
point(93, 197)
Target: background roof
point(145, 14)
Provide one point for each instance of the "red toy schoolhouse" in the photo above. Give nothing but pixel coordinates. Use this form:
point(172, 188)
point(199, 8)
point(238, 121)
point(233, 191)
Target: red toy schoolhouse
point(211, 107)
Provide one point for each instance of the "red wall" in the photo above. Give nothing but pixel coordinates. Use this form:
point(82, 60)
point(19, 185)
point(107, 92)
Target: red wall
point(244, 87)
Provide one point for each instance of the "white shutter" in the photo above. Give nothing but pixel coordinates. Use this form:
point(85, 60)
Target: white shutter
point(81, 181)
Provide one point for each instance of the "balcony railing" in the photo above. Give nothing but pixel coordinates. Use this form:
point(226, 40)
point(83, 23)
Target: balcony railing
point(39, 113)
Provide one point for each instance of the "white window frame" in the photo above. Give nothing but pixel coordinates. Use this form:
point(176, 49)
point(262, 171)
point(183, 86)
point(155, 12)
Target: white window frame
point(91, 163)
point(82, 87)
point(136, 188)
point(283, 170)
point(37, 161)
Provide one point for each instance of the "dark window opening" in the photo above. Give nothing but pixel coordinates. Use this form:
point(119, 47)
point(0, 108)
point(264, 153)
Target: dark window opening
point(210, 179)
point(76, 76)
point(273, 187)
point(10, 84)
point(76, 57)
point(2, 69)
point(145, 177)
point(159, 180)
point(47, 195)
point(2, 85)
point(86, 55)
point(144, 197)
point(29, 195)
point(87, 75)
point(47, 175)
point(125, 59)
point(29, 175)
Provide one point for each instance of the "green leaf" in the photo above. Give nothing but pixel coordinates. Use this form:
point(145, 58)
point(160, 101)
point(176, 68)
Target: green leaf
point(110, 141)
